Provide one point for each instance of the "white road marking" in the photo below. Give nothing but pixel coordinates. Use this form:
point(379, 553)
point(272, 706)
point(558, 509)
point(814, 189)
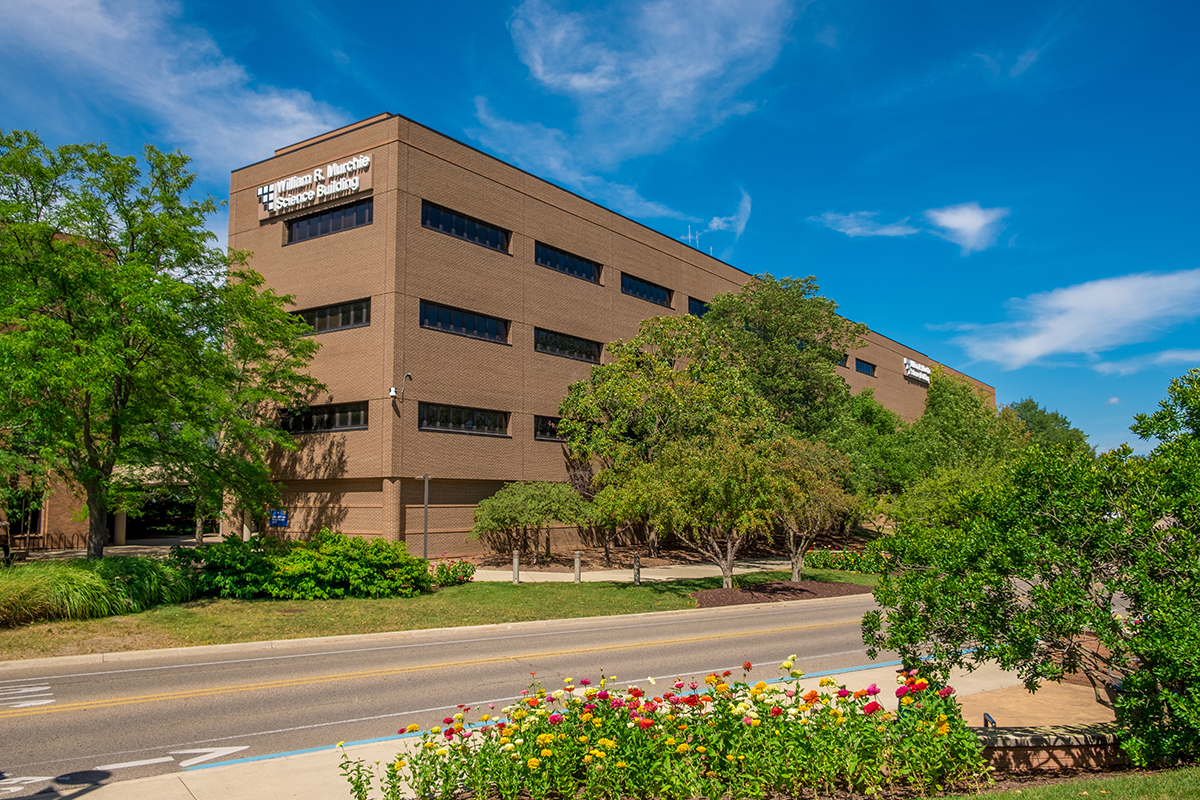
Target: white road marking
point(209, 754)
point(141, 763)
point(26, 696)
point(15, 784)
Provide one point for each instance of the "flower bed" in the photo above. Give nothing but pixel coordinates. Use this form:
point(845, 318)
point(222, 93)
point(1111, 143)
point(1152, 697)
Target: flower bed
point(868, 561)
point(698, 738)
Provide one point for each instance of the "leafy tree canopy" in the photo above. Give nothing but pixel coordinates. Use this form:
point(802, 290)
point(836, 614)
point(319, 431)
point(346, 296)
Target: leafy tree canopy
point(790, 339)
point(1048, 428)
point(1065, 563)
point(132, 348)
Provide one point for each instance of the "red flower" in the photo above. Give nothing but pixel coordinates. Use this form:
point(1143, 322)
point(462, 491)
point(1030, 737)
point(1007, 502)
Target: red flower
point(920, 685)
point(726, 674)
point(945, 692)
point(644, 723)
point(635, 691)
point(871, 707)
point(746, 665)
point(776, 711)
point(448, 721)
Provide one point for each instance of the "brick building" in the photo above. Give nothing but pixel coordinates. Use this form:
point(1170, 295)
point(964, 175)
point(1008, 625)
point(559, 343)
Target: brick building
point(478, 293)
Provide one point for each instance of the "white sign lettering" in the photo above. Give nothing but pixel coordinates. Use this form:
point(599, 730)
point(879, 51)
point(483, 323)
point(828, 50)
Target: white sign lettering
point(321, 185)
point(917, 371)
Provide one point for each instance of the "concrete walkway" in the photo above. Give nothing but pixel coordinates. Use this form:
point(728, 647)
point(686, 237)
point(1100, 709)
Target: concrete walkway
point(649, 574)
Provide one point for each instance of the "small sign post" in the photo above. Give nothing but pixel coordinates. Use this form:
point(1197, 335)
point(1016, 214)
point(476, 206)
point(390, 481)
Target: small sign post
point(278, 519)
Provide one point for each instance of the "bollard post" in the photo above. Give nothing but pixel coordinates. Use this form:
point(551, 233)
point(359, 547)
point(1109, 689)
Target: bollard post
point(637, 569)
point(516, 566)
point(578, 565)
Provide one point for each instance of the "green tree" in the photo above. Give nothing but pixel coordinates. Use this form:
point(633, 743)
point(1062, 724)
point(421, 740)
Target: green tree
point(791, 340)
point(126, 332)
point(654, 420)
point(1048, 428)
point(874, 438)
point(507, 517)
point(810, 496)
point(1069, 564)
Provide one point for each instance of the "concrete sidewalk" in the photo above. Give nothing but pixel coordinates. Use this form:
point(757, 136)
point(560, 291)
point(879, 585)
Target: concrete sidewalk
point(649, 574)
point(315, 774)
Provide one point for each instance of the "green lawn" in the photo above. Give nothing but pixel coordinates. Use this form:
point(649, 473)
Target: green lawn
point(1173, 784)
point(227, 621)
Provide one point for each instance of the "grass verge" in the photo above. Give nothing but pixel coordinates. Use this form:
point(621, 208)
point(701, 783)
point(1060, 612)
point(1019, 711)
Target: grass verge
point(1173, 784)
point(226, 621)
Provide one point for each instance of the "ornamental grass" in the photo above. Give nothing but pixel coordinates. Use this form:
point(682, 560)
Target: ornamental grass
point(710, 738)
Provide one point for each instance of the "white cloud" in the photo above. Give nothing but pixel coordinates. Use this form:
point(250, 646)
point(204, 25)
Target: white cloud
point(736, 222)
point(641, 76)
point(1023, 62)
point(1091, 318)
point(968, 225)
point(1166, 358)
point(861, 223)
point(1112, 401)
point(136, 52)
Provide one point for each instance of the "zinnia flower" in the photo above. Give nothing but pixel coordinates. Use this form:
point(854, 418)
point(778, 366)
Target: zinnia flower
point(872, 690)
point(871, 707)
point(945, 692)
point(747, 666)
point(901, 691)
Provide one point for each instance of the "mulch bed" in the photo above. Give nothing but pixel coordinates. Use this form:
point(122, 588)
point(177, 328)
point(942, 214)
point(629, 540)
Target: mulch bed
point(775, 592)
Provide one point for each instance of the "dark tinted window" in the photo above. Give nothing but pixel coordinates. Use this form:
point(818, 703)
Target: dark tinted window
point(645, 290)
point(355, 314)
point(335, 220)
point(464, 323)
point(546, 428)
point(338, 416)
point(843, 360)
point(864, 367)
point(434, 417)
point(556, 259)
point(697, 308)
point(462, 227)
point(560, 344)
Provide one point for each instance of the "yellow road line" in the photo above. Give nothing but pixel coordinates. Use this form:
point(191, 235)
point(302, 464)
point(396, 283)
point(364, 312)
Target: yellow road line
point(185, 694)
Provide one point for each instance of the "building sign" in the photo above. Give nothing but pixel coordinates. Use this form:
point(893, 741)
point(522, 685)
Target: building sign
point(917, 371)
point(278, 519)
point(319, 185)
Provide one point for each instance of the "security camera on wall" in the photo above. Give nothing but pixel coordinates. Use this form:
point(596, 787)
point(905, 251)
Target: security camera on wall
point(392, 392)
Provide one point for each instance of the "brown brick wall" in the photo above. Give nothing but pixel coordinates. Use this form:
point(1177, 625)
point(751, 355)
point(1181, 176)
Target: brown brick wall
point(397, 263)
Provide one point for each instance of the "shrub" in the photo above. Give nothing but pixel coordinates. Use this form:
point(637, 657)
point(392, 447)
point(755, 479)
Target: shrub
point(710, 738)
point(453, 573)
point(331, 565)
point(868, 561)
point(80, 589)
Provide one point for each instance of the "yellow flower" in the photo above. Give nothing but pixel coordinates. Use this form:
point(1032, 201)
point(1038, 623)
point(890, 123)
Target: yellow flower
point(505, 740)
point(458, 716)
point(682, 748)
point(797, 673)
point(399, 765)
point(582, 739)
point(787, 665)
point(721, 687)
point(670, 741)
point(754, 723)
point(485, 717)
point(620, 764)
point(545, 738)
point(827, 682)
point(596, 723)
point(701, 749)
point(412, 728)
point(339, 744)
point(943, 729)
point(546, 753)
point(730, 757)
point(435, 729)
point(711, 679)
point(587, 759)
point(906, 700)
point(441, 751)
point(587, 717)
point(533, 763)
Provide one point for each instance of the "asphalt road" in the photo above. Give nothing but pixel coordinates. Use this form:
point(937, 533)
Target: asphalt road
point(146, 713)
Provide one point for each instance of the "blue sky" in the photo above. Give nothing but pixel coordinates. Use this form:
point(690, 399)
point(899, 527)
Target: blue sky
point(1010, 187)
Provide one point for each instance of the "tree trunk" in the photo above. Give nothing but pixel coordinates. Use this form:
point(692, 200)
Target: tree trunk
point(537, 536)
point(652, 540)
point(97, 506)
point(796, 547)
point(199, 528)
point(609, 534)
point(727, 566)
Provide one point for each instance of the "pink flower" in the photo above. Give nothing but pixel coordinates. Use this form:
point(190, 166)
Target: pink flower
point(693, 685)
point(616, 702)
point(945, 692)
point(585, 682)
point(872, 690)
point(843, 693)
point(448, 721)
point(554, 719)
point(590, 707)
point(679, 684)
point(871, 707)
point(603, 695)
point(790, 692)
point(746, 720)
point(901, 691)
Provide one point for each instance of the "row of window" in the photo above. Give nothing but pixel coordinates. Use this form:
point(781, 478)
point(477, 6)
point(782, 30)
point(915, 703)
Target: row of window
point(452, 223)
point(430, 417)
